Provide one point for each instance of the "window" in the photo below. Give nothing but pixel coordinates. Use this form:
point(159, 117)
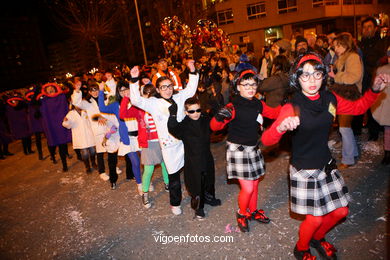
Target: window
point(256, 10)
point(317, 3)
point(287, 6)
point(358, 2)
point(225, 16)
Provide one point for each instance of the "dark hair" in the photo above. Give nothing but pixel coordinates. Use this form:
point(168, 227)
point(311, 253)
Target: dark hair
point(191, 101)
point(296, 71)
point(120, 85)
point(370, 19)
point(244, 75)
point(281, 63)
point(345, 39)
point(160, 79)
point(149, 90)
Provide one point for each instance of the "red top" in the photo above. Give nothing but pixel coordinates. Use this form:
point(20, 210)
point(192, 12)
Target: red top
point(136, 114)
point(344, 107)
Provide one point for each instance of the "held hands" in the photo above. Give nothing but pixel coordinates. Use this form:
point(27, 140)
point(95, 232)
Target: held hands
point(288, 124)
point(380, 82)
point(191, 65)
point(223, 113)
point(173, 109)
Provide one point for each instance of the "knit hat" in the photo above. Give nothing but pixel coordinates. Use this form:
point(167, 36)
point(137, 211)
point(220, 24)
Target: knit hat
point(284, 44)
point(300, 39)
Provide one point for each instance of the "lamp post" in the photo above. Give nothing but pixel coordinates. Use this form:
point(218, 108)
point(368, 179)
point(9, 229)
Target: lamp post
point(140, 32)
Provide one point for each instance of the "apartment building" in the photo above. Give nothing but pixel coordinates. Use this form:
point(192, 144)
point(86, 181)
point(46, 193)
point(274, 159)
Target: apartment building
point(252, 24)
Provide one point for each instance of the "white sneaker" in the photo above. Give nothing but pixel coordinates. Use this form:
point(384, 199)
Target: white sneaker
point(118, 171)
point(176, 210)
point(104, 176)
point(151, 187)
point(139, 188)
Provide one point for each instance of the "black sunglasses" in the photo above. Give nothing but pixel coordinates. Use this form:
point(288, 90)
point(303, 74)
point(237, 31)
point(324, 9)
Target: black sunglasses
point(193, 111)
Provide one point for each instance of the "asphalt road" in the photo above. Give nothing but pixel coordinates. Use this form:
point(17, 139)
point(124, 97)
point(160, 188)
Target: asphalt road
point(48, 214)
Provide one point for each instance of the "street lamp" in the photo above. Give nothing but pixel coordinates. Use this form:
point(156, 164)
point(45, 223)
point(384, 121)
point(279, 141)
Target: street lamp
point(140, 32)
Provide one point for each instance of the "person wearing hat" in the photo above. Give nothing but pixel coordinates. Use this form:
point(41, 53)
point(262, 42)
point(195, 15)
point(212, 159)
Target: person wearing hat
point(282, 47)
point(164, 71)
point(317, 189)
point(301, 45)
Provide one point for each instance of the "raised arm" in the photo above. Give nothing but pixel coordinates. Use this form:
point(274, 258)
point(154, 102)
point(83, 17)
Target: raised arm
point(362, 104)
point(223, 117)
point(192, 84)
point(109, 109)
point(76, 97)
point(146, 104)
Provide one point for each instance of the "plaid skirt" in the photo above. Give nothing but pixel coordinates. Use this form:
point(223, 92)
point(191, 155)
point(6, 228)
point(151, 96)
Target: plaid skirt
point(244, 162)
point(317, 193)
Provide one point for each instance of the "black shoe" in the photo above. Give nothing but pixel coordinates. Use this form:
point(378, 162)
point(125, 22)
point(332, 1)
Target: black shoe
point(113, 186)
point(31, 152)
point(2, 158)
point(303, 255)
point(373, 138)
point(65, 168)
point(260, 216)
point(199, 214)
point(88, 171)
point(325, 249)
point(211, 200)
point(242, 222)
point(8, 154)
point(40, 157)
point(94, 165)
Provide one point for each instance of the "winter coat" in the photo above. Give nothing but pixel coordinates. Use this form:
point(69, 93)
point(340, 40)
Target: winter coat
point(349, 70)
point(82, 136)
point(381, 108)
point(195, 135)
point(17, 120)
point(275, 89)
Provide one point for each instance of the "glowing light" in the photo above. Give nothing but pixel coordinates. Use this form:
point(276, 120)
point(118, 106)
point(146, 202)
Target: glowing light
point(68, 75)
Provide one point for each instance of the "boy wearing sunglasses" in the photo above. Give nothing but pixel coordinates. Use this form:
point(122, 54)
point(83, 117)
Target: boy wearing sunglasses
point(199, 172)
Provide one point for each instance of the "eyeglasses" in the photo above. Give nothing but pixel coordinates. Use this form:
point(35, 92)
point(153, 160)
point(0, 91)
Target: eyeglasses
point(249, 86)
point(306, 76)
point(123, 89)
point(165, 87)
point(193, 111)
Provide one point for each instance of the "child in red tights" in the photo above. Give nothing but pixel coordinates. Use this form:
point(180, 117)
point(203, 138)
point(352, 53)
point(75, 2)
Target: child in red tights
point(244, 159)
point(317, 190)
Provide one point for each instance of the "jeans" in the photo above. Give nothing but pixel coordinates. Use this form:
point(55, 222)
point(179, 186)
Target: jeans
point(350, 149)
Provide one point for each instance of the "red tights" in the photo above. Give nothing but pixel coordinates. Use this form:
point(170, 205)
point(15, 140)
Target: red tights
point(317, 226)
point(247, 198)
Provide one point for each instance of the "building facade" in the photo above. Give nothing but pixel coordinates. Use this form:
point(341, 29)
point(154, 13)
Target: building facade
point(253, 24)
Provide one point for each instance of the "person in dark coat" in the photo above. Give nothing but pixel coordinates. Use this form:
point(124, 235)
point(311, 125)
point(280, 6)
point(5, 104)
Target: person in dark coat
point(16, 111)
point(54, 107)
point(5, 135)
point(199, 172)
point(35, 118)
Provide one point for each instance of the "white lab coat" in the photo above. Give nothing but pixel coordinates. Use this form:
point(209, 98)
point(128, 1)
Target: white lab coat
point(172, 148)
point(82, 136)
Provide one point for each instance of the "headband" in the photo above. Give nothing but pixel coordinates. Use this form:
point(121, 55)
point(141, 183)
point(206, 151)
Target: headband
point(308, 57)
point(243, 73)
point(11, 100)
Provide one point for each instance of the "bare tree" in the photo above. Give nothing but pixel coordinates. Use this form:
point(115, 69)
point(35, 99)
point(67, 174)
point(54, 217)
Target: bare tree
point(91, 20)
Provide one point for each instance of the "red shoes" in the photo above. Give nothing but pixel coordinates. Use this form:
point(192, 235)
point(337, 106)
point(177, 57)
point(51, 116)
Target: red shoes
point(259, 216)
point(303, 255)
point(324, 248)
point(242, 222)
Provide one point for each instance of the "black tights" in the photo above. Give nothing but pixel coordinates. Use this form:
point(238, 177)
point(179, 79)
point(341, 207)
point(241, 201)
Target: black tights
point(63, 150)
point(26, 142)
point(86, 155)
point(112, 162)
point(38, 144)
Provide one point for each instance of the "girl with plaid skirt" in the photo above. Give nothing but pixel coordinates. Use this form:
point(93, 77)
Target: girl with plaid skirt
point(244, 159)
point(317, 190)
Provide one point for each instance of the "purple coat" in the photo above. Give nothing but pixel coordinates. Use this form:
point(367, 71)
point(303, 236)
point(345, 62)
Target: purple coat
point(35, 118)
point(53, 110)
point(17, 120)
